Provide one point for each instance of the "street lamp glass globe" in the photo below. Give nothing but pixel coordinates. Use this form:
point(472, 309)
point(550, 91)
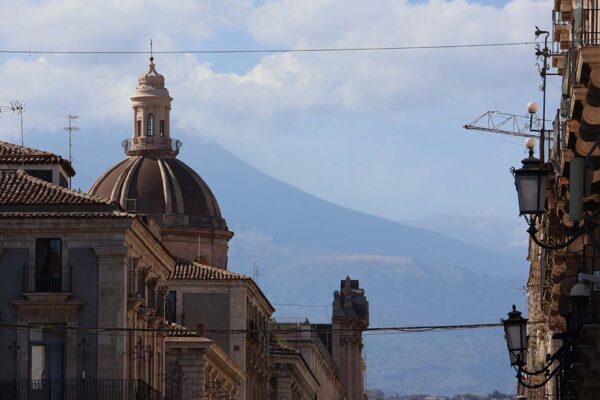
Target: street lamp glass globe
point(515, 331)
point(531, 181)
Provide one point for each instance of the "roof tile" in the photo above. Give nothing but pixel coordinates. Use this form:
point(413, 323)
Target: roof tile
point(14, 154)
point(188, 270)
point(20, 188)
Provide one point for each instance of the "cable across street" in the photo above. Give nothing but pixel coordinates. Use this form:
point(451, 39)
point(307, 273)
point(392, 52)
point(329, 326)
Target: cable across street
point(260, 51)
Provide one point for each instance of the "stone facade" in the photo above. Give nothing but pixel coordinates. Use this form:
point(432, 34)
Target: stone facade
point(197, 368)
point(291, 377)
point(350, 317)
point(304, 338)
point(554, 272)
point(87, 289)
point(227, 302)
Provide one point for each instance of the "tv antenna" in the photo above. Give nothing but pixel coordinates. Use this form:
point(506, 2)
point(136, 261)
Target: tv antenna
point(16, 107)
point(70, 129)
point(254, 270)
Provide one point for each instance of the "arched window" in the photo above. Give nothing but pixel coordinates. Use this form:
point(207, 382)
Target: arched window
point(150, 125)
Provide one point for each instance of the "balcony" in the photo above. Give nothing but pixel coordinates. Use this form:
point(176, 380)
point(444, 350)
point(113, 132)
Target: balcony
point(45, 282)
point(76, 389)
point(591, 265)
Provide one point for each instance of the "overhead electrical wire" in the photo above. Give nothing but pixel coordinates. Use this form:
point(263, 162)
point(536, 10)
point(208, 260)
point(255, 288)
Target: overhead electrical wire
point(259, 51)
point(316, 329)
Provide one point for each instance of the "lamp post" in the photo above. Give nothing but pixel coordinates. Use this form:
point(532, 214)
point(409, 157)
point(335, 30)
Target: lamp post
point(515, 331)
point(531, 182)
point(559, 364)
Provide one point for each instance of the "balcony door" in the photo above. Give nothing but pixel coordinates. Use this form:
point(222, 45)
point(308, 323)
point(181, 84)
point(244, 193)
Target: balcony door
point(48, 265)
point(47, 363)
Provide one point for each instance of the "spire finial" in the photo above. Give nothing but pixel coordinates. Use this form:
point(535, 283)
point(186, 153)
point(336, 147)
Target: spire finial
point(151, 53)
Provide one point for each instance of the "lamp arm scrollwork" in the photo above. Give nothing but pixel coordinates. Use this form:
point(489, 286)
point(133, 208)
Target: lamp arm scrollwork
point(543, 383)
point(533, 231)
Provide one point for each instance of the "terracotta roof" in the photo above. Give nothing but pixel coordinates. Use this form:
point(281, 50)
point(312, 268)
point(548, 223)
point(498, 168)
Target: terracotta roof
point(18, 188)
point(188, 270)
point(11, 154)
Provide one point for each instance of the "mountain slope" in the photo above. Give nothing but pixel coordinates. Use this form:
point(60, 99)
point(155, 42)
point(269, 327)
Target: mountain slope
point(412, 276)
point(253, 201)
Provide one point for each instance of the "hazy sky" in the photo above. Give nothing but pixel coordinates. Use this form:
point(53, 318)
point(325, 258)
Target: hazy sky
point(380, 132)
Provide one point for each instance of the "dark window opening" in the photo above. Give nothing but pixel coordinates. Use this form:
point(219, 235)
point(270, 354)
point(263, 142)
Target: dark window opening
point(138, 130)
point(162, 128)
point(150, 125)
point(171, 307)
point(44, 174)
point(48, 265)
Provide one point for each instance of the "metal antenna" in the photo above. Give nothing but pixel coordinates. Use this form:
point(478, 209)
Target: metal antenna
point(151, 53)
point(254, 269)
point(18, 107)
point(70, 129)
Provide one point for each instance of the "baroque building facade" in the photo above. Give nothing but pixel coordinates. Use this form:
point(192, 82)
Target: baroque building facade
point(124, 292)
point(557, 322)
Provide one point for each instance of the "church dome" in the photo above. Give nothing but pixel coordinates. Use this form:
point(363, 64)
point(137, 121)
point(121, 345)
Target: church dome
point(162, 187)
point(152, 182)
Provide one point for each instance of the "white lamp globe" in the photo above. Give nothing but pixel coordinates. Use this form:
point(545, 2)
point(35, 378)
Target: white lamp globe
point(532, 107)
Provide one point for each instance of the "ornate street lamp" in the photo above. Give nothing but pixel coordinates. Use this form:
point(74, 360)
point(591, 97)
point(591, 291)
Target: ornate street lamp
point(515, 332)
point(559, 364)
point(531, 181)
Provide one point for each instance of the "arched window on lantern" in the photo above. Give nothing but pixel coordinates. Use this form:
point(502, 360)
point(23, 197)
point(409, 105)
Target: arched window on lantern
point(150, 125)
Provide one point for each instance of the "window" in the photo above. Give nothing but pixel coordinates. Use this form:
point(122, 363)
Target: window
point(171, 308)
point(150, 125)
point(48, 265)
point(138, 130)
point(162, 128)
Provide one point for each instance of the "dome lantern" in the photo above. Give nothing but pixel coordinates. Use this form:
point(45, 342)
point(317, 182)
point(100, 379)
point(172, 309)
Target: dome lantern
point(151, 105)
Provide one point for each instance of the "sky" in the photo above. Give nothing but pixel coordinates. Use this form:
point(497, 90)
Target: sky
point(379, 132)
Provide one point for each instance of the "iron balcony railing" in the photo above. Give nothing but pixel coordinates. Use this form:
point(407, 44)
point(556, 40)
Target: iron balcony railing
point(591, 265)
point(77, 389)
point(590, 25)
point(43, 281)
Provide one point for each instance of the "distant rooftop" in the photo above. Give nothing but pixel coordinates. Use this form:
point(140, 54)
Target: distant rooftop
point(188, 270)
point(15, 154)
point(22, 195)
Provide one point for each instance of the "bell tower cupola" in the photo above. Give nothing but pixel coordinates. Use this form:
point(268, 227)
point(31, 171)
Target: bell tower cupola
point(151, 117)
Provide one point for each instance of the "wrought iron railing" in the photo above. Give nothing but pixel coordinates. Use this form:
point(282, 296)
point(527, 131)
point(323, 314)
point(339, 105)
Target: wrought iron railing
point(77, 389)
point(128, 144)
point(591, 265)
point(590, 25)
point(43, 281)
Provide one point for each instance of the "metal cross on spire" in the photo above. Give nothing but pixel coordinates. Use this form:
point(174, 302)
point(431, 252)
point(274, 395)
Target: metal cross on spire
point(151, 52)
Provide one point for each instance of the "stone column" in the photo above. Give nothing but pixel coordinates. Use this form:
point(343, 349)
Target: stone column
point(192, 369)
point(112, 307)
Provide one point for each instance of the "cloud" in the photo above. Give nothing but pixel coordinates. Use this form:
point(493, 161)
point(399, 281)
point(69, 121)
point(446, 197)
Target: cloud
point(375, 131)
